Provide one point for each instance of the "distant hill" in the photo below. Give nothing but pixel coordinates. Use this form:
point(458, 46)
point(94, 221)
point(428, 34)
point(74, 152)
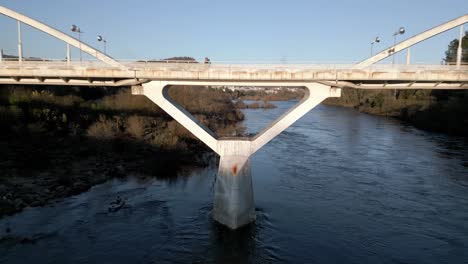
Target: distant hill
point(180, 59)
point(183, 58)
point(15, 58)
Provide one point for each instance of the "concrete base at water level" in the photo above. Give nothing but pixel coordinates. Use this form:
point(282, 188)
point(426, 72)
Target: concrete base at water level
point(234, 199)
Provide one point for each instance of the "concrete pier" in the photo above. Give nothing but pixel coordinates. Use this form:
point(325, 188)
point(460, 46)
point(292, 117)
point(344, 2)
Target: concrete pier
point(233, 198)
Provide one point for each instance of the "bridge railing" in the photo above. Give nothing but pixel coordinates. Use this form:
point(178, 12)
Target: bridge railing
point(178, 65)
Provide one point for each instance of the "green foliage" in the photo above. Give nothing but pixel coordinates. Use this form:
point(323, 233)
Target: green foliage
point(451, 53)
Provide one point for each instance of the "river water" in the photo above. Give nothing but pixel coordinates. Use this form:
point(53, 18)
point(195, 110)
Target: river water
point(337, 187)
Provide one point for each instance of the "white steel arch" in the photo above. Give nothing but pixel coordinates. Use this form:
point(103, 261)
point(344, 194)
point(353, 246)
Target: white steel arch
point(61, 36)
point(412, 41)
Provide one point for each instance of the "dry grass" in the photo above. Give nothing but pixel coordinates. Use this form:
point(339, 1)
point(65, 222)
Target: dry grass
point(137, 126)
point(125, 101)
point(110, 114)
point(105, 128)
point(21, 96)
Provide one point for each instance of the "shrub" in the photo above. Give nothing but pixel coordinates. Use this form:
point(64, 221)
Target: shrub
point(105, 128)
point(124, 100)
point(167, 141)
point(136, 126)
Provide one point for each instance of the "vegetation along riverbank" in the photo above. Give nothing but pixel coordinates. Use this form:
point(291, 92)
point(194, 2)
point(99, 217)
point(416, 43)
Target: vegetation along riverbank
point(434, 110)
point(439, 111)
point(60, 141)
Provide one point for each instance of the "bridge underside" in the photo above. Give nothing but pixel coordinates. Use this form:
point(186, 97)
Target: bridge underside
point(355, 84)
point(67, 81)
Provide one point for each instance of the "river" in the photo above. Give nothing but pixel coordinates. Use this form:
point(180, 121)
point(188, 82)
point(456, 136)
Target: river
point(337, 187)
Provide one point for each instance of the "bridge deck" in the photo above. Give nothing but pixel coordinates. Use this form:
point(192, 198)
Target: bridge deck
point(95, 73)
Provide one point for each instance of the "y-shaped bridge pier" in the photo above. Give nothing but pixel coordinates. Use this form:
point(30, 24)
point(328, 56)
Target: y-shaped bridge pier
point(233, 199)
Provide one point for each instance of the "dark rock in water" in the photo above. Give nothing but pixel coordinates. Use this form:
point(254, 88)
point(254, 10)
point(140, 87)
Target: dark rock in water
point(39, 201)
point(116, 205)
point(27, 240)
point(80, 186)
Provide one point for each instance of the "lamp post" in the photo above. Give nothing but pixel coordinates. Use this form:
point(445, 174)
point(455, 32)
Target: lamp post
point(68, 54)
point(20, 44)
point(376, 40)
point(459, 50)
point(76, 29)
point(400, 31)
point(101, 39)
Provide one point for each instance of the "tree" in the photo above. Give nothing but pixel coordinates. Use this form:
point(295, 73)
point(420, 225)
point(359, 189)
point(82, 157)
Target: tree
point(451, 53)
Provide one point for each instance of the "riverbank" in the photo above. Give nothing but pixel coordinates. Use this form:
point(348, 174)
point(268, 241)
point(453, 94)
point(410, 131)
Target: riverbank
point(61, 141)
point(432, 110)
point(240, 104)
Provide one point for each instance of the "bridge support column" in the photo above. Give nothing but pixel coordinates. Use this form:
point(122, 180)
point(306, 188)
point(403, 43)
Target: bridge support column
point(233, 198)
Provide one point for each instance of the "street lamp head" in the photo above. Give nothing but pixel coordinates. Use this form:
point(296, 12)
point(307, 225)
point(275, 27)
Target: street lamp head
point(75, 28)
point(401, 31)
point(100, 38)
point(376, 40)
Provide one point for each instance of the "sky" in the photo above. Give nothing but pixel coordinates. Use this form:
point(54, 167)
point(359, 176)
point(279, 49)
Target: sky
point(254, 31)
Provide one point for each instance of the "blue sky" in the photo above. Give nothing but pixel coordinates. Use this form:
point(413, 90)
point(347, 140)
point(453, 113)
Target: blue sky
point(242, 31)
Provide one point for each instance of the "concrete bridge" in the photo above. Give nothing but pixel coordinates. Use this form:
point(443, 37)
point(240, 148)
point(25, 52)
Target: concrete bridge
point(233, 201)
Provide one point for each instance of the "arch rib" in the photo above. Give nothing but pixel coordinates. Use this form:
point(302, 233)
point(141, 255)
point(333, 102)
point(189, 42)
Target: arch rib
point(412, 41)
point(61, 36)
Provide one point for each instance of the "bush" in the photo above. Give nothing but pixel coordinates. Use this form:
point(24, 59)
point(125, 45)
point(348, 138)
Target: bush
point(125, 101)
point(105, 128)
point(136, 126)
point(166, 140)
point(24, 95)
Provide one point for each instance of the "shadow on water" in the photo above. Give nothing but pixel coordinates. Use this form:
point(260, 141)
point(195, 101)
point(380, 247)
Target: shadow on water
point(244, 245)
